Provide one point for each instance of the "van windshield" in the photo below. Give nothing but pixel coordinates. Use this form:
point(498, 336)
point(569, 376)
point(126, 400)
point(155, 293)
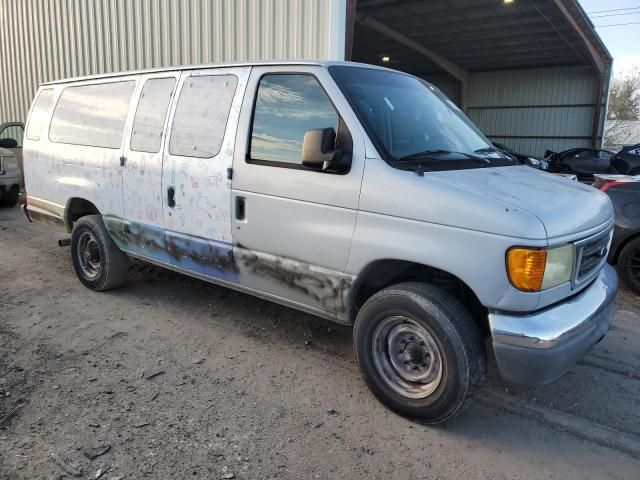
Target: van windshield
point(413, 124)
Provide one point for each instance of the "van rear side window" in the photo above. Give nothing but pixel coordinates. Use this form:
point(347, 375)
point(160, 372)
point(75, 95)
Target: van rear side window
point(92, 115)
point(201, 115)
point(150, 115)
point(39, 114)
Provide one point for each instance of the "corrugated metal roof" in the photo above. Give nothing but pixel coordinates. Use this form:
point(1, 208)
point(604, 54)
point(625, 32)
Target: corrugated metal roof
point(478, 35)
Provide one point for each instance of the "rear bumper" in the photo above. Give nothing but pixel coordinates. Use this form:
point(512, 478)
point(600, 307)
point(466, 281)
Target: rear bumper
point(42, 211)
point(539, 348)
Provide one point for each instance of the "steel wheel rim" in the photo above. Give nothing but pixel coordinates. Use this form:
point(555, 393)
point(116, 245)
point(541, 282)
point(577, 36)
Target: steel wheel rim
point(407, 357)
point(89, 255)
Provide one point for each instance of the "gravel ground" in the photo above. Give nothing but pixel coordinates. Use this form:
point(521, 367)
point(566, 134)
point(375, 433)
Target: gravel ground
point(188, 380)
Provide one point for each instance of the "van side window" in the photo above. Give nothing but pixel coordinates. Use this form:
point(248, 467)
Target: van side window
point(92, 115)
point(287, 105)
point(39, 114)
point(150, 115)
point(201, 115)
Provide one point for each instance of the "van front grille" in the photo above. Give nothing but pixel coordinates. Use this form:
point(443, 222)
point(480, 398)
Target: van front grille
point(591, 255)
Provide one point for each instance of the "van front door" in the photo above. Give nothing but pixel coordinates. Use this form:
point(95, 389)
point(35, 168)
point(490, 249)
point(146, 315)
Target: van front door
point(293, 224)
point(197, 161)
point(142, 162)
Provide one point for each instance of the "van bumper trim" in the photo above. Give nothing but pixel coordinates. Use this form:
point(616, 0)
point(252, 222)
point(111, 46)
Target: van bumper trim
point(538, 348)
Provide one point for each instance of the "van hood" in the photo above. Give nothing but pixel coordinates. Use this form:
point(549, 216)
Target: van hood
point(565, 207)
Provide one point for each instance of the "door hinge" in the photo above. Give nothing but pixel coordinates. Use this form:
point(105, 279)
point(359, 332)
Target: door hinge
point(123, 160)
point(229, 173)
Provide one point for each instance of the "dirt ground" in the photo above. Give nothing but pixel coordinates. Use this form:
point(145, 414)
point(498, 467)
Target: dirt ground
point(184, 379)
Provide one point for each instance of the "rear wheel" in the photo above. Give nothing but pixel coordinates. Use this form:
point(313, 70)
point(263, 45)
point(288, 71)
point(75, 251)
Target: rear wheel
point(629, 265)
point(98, 262)
point(419, 350)
point(10, 198)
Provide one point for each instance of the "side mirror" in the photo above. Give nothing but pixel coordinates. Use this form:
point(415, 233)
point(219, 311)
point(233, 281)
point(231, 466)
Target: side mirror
point(8, 143)
point(548, 153)
point(318, 151)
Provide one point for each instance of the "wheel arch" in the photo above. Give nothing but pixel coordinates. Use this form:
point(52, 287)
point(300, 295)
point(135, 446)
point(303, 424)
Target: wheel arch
point(380, 274)
point(76, 208)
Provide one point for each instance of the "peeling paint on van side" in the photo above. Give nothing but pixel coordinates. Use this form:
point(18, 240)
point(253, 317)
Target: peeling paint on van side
point(318, 287)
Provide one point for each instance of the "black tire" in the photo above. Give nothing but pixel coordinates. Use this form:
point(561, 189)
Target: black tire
point(10, 198)
point(635, 171)
point(98, 262)
point(456, 335)
point(629, 265)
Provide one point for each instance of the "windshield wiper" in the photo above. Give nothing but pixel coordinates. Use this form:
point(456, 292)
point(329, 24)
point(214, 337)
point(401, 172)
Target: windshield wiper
point(504, 155)
point(487, 150)
point(430, 155)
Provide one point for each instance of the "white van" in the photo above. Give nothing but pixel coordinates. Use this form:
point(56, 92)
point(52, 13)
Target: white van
point(352, 192)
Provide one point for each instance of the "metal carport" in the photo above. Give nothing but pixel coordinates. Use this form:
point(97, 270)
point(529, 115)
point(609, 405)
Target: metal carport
point(532, 74)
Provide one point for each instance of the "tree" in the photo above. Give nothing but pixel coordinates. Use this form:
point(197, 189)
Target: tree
point(624, 98)
point(624, 108)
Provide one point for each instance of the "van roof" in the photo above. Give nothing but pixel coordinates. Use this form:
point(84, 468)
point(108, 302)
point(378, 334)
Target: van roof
point(212, 65)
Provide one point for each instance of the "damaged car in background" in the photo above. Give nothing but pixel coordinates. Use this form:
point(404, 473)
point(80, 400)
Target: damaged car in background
point(352, 192)
point(624, 192)
point(529, 160)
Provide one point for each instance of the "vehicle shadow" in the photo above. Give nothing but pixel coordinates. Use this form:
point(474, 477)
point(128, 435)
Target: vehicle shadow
point(595, 394)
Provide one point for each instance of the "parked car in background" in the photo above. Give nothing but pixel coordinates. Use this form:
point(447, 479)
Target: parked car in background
point(627, 160)
point(529, 160)
point(583, 162)
point(11, 136)
point(352, 192)
point(624, 192)
point(10, 178)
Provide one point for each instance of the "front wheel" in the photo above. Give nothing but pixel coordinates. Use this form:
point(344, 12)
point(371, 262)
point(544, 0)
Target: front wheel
point(98, 262)
point(419, 350)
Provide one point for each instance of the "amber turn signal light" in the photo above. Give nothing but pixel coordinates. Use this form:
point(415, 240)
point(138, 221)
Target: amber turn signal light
point(526, 268)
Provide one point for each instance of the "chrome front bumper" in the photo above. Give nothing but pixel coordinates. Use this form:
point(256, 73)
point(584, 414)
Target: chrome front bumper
point(540, 347)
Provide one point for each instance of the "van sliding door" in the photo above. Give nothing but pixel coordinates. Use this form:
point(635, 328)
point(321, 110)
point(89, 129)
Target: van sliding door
point(195, 179)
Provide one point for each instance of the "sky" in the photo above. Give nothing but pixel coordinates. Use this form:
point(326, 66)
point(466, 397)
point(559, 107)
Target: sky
point(623, 41)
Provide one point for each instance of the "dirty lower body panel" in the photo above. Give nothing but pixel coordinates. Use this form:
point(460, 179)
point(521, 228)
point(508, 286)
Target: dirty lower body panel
point(323, 291)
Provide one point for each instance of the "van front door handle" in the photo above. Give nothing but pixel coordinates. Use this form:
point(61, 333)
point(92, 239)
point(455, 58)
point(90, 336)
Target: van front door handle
point(171, 197)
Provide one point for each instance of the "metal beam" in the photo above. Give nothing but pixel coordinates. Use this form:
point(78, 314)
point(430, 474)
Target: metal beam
point(454, 70)
point(595, 55)
point(350, 28)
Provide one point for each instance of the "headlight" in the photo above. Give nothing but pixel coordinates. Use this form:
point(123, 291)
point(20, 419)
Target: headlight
point(535, 269)
point(534, 161)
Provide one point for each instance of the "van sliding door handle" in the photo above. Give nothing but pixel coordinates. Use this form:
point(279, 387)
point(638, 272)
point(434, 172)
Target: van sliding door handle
point(171, 197)
point(241, 209)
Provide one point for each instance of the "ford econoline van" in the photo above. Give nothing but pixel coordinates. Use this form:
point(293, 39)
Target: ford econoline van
point(352, 192)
